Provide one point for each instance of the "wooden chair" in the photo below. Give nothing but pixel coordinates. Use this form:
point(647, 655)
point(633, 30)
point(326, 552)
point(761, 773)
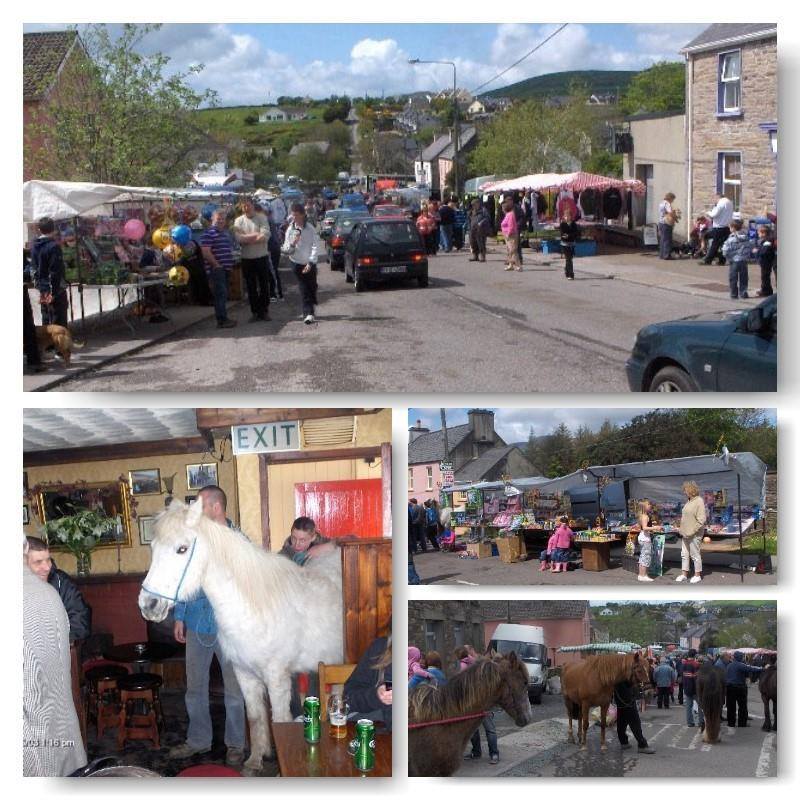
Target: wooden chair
point(331, 675)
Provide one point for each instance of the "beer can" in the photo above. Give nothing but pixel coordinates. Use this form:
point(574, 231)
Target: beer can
point(365, 738)
point(311, 722)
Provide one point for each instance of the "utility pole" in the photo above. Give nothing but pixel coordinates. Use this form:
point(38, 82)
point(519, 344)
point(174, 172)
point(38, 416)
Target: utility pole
point(444, 435)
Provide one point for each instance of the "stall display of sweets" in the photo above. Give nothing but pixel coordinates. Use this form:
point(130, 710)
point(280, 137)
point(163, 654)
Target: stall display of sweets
point(595, 535)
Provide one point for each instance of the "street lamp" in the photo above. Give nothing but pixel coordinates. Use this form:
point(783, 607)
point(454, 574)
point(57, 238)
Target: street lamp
point(455, 115)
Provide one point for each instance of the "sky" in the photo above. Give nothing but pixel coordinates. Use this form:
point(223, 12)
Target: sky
point(256, 63)
point(514, 424)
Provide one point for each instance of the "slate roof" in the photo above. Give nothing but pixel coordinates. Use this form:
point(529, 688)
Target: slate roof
point(430, 446)
point(42, 56)
point(725, 33)
point(534, 609)
point(477, 468)
point(432, 150)
point(465, 138)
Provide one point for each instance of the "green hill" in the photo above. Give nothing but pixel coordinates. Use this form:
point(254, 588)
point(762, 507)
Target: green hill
point(559, 83)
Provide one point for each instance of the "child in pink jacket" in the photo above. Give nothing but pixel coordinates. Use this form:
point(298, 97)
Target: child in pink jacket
point(564, 537)
point(511, 233)
point(414, 666)
point(546, 556)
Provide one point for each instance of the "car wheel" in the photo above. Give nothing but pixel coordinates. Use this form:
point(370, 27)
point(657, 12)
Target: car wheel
point(672, 379)
point(358, 282)
point(422, 281)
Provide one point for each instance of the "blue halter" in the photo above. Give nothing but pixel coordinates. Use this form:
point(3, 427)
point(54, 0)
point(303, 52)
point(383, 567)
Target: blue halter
point(174, 599)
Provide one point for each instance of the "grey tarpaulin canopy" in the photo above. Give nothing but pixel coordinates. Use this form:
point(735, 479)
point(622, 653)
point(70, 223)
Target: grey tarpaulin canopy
point(600, 647)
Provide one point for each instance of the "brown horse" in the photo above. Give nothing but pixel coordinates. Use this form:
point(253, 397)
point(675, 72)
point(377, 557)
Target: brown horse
point(710, 699)
point(591, 682)
point(437, 750)
point(768, 686)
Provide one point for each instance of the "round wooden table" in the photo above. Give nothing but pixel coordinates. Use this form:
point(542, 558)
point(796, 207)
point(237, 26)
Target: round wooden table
point(140, 653)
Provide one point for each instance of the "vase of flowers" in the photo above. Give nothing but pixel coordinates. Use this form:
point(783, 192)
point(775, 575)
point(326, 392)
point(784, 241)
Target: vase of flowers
point(79, 533)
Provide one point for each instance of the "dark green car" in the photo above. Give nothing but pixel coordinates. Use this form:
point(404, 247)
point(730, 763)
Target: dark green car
point(734, 351)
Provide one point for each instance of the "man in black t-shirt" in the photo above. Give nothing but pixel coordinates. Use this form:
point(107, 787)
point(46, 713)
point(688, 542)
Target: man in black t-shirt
point(569, 235)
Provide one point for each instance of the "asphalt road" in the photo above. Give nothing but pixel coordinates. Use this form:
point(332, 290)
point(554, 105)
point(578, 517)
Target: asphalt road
point(475, 328)
point(541, 748)
point(450, 569)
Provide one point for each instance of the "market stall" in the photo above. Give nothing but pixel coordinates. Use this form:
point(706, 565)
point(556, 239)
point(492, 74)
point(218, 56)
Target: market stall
point(733, 486)
point(105, 229)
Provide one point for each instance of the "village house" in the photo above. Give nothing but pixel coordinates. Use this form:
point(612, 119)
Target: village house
point(475, 449)
point(732, 117)
point(436, 160)
point(282, 114)
point(444, 625)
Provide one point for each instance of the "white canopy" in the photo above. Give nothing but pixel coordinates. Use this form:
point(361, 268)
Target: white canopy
point(661, 480)
point(67, 199)
point(573, 181)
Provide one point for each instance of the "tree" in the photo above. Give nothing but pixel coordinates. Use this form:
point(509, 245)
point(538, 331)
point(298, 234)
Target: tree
point(661, 87)
point(337, 110)
point(312, 165)
point(124, 119)
point(601, 162)
point(251, 119)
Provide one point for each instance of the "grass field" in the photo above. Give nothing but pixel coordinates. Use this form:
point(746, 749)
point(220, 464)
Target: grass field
point(229, 123)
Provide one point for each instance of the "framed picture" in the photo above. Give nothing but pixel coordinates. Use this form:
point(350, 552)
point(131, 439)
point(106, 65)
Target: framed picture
point(200, 475)
point(25, 488)
point(146, 529)
point(145, 481)
point(26, 514)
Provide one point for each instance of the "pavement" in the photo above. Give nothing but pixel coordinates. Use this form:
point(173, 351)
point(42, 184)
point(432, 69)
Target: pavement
point(541, 748)
point(450, 569)
point(536, 331)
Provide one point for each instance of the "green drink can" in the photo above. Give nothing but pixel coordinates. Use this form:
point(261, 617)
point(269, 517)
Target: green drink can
point(365, 745)
point(311, 723)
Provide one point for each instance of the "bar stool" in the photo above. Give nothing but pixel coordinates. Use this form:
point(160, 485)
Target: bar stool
point(102, 702)
point(140, 708)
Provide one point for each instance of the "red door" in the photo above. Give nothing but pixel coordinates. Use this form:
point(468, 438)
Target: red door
point(342, 508)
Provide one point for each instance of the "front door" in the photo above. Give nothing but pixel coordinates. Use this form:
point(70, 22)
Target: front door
point(342, 508)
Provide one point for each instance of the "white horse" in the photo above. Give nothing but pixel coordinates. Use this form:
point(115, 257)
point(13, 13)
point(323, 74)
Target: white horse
point(273, 617)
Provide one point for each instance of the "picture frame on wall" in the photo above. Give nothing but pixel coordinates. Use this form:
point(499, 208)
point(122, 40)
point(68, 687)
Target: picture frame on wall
point(146, 529)
point(190, 498)
point(26, 514)
point(144, 481)
point(200, 475)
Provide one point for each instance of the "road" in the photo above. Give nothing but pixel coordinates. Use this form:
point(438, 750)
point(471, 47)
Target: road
point(541, 748)
point(476, 328)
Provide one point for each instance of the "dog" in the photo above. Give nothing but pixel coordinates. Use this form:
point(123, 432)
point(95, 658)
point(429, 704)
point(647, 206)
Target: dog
point(59, 338)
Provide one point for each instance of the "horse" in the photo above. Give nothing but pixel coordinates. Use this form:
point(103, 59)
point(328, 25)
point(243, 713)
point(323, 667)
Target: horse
point(591, 682)
point(768, 686)
point(274, 618)
point(710, 699)
point(443, 718)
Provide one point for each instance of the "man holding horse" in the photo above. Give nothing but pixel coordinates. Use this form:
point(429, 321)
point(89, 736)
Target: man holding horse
point(625, 699)
point(196, 627)
point(736, 675)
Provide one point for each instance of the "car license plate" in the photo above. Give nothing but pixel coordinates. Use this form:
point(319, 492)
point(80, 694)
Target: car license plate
point(399, 268)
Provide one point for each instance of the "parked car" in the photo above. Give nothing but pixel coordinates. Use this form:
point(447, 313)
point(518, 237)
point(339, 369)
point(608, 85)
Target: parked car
point(391, 211)
point(337, 240)
point(334, 214)
point(735, 351)
point(381, 250)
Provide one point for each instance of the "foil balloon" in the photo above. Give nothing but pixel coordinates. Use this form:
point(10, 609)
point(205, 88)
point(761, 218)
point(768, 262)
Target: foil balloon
point(173, 253)
point(161, 237)
point(134, 229)
point(179, 276)
point(181, 234)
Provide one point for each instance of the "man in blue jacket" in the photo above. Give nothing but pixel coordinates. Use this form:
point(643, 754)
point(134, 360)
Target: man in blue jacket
point(736, 674)
point(196, 627)
point(47, 267)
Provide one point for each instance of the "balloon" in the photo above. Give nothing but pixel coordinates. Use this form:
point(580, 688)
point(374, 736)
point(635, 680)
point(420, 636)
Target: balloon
point(179, 276)
point(161, 237)
point(208, 209)
point(181, 234)
point(173, 252)
point(134, 229)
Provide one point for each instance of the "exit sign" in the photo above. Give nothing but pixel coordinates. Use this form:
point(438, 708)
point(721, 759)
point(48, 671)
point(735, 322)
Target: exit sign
point(272, 437)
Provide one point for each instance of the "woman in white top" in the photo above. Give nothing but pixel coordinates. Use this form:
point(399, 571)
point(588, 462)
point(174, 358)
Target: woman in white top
point(301, 245)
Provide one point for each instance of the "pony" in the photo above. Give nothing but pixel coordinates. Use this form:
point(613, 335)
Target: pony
point(436, 747)
point(710, 699)
point(274, 618)
point(768, 686)
point(591, 682)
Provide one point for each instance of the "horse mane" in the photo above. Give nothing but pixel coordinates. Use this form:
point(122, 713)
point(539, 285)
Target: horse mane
point(263, 578)
point(462, 694)
point(610, 668)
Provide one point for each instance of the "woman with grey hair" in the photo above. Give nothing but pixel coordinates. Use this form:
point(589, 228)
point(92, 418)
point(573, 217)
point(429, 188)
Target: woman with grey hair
point(693, 523)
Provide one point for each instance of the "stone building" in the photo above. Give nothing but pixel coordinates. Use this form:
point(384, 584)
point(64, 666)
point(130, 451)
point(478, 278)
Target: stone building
point(731, 117)
point(443, 625)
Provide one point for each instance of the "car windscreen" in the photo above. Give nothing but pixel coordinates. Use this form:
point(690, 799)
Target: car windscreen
point(344, 225)
point(529, 652)
point(391, 234)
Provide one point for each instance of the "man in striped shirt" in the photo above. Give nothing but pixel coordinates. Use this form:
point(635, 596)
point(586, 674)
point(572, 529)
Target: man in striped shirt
point(218, 254)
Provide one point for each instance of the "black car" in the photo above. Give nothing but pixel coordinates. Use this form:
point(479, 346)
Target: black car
point(381, 250)
point(735, 351)
point(339, 235)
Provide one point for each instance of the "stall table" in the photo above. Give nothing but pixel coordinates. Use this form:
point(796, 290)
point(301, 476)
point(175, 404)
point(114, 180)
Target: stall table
point(328, 758)
point(596, 553)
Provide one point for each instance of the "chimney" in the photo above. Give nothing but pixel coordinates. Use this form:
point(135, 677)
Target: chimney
point(481, 423)
point(417, 431)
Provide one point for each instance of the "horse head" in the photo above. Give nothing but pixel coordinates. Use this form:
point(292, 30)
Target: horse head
point(639, 675)
point(179, 557)
point(513, 697)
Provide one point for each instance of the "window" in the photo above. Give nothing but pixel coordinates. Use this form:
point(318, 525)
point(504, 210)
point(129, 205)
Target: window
point(458, 633)
point(410, 479)
point(429, 476)
point(729, 177)
point(729, 97)
point(433, 636)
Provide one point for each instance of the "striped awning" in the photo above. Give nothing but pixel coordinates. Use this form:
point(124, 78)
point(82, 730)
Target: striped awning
point(601, 647)
point(572, 181)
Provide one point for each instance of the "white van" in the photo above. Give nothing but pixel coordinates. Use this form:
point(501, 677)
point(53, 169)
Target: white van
point(528, 643)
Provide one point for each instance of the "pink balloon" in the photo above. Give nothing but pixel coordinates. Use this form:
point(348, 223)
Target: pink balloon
point(134, 229)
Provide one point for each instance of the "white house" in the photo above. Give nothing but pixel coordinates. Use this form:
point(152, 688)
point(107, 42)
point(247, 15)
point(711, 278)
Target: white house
point(282, 114)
